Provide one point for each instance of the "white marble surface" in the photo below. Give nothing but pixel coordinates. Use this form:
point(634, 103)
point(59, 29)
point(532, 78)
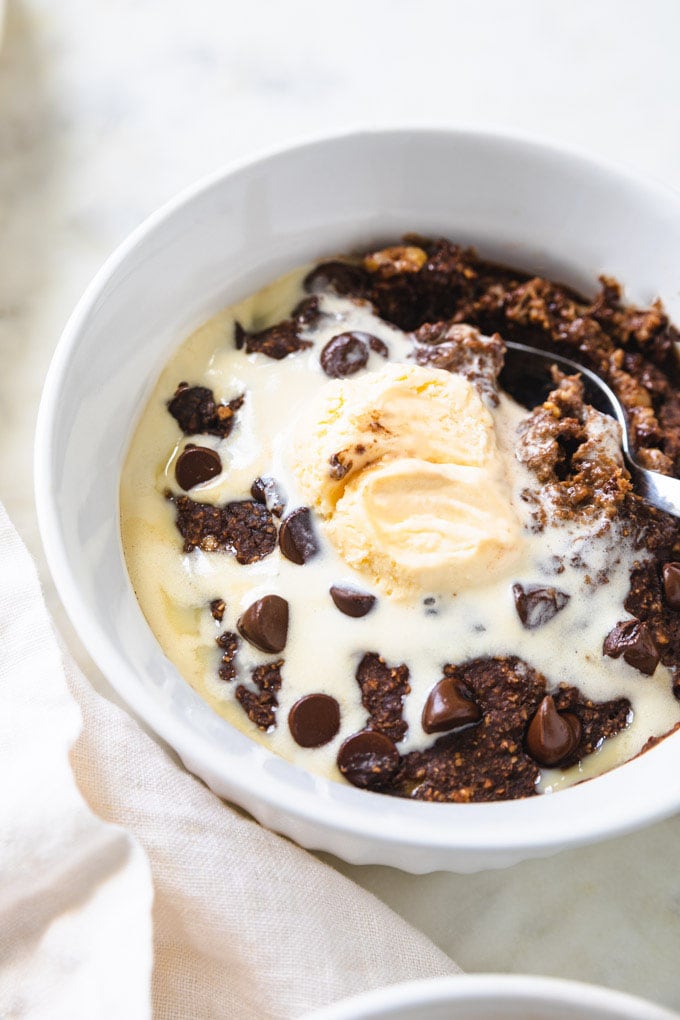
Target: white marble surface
point(107, 107)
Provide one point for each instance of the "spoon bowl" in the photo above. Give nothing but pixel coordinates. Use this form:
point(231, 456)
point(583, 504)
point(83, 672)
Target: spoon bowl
point(527, 377)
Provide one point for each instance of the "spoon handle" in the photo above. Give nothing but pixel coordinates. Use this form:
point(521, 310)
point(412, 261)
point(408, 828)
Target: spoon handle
point(661, 490)
point(526, 376)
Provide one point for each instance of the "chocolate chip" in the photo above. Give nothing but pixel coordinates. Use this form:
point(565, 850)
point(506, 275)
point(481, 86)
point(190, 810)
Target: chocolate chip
point(265, 623)
point(296, 536)
point(671, 584)
point(368, 759)
point(536, 605)
point(634, 641)
point(345, 354)
point(448, 706)
point(552, 736)
point(314, 720)
point(217, 609)
point(350, 601)
point(265, 490)
point(196, 464)
point(342, 277)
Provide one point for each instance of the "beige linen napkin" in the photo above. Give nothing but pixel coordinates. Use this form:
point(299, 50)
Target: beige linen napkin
point(244, 924)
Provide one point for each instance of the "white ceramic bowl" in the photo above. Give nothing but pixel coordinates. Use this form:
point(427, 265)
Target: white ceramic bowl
point(493, 997)
point(519, 202)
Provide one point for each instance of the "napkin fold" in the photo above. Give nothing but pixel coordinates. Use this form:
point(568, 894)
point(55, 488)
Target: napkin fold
point(128, 889)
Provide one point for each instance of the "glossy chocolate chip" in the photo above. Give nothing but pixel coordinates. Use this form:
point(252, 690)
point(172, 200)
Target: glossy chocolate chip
point(345, 354)
point(552, 736)
point(536, 605)
point(265, 623)
point(671, 584)
point(196, 464)
point(314, 720)
point(449, 706)
point(368, 759)
point(634, 641)
point(296, 536)
point(350, 601)
point(266, 491)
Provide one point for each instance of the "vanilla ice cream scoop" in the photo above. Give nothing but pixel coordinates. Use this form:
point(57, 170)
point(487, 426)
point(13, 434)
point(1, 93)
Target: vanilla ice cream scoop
point(404, 468)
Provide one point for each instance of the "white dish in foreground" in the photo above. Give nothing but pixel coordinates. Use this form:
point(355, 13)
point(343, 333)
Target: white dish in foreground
point(520, 203)
point(493, 997)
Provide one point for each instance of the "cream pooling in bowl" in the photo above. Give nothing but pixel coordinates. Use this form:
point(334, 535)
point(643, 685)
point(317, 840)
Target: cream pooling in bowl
point(324, 647)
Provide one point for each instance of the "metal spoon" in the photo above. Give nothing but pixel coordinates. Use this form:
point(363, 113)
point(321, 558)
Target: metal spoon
point(526, 377)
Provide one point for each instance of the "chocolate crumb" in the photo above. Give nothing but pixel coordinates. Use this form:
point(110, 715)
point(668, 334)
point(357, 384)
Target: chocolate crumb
point(489, 761)
point(260, 706)
point(383, 689)
point(455, 347)
point(395, 260)
point(276, 342)
point(217, 609)
point(245, 529)
point(195, 411)
point(228, 642)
